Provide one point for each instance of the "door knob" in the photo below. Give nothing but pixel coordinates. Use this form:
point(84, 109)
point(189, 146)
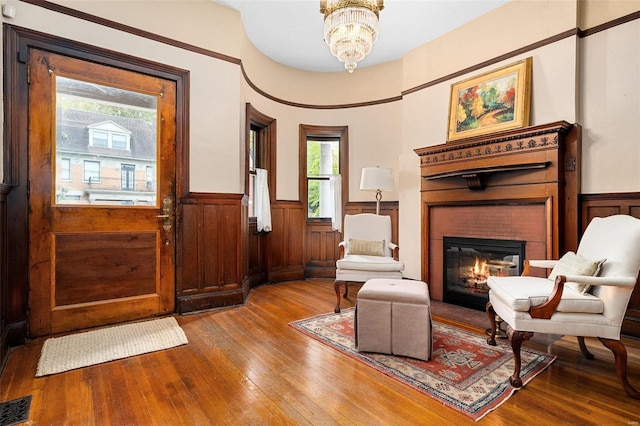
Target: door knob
point(167, 207)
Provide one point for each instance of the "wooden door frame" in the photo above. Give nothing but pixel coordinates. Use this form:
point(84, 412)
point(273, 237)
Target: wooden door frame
point(17, 43)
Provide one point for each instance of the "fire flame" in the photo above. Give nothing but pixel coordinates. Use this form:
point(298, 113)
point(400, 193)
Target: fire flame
point(480, 269)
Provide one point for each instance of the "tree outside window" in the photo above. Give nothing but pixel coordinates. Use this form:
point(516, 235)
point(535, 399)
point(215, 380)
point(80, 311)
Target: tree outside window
point(323, 160)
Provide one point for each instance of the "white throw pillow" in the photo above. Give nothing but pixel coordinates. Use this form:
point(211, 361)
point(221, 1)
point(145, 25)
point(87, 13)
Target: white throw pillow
point(574, 264)
point(366, 247)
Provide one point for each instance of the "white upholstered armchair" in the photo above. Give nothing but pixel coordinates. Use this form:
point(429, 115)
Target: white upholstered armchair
point(586, 294)
point(366, 252)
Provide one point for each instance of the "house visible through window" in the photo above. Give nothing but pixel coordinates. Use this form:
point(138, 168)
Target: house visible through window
point(106, 145)
point(128, 177)
point(91, 171)
point(109, 135)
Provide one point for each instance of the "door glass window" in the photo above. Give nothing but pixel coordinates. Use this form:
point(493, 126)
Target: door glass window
point(104, 134)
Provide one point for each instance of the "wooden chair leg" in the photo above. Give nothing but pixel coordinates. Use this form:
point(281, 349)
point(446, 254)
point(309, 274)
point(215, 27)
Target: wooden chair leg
point(492, 320)
point(346, 289)
point(620, 355)
point(336, 287)
point(516, 338)
point(583, 348)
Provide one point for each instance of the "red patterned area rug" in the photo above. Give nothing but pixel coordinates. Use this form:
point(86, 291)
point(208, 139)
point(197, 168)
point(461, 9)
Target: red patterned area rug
point(465, 373)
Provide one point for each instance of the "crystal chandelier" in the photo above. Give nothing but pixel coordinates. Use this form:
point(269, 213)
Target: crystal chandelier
point(351, 28)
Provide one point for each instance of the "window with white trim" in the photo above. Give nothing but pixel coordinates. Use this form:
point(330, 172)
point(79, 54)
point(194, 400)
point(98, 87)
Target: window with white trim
point(100, 139)
point(324, 170)
point(150, 178)
point(323, 161)
point(118, 141)
point(65, 169)
point(109, 135)
point(91, 171)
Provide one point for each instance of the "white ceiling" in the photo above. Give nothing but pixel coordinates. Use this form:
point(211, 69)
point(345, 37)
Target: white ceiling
point(290, 31)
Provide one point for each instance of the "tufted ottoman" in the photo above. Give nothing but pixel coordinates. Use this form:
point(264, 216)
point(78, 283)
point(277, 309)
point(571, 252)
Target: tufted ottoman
point(393, 317)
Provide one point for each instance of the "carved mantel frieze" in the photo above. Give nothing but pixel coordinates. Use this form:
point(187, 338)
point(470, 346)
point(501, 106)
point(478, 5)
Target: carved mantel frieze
point(515, 141)
point(475, 160)
point(486, 149)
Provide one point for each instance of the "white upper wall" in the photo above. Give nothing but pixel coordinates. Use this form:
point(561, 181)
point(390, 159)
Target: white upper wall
point(505, 29)
point(597, 12)
point(610, 109)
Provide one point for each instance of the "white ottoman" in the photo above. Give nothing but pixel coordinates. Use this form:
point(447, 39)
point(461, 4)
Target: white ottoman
point(394, 317)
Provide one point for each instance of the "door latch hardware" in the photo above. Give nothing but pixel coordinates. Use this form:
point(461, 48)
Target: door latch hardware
point(167, 207)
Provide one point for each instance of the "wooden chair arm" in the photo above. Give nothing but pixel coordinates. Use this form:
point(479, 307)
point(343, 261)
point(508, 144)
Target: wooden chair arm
point(547, 309)
point(395, 251)
point(341, 247)
point(396, 254)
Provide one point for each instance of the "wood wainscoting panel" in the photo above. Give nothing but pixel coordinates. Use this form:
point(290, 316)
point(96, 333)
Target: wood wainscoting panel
point(256, 255)
point(187, 262)
point(602, 205)
point(322, 250)
point(286, 252)
point(209, 260)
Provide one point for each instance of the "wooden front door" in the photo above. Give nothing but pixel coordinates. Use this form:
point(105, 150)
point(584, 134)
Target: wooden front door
point(101, 194)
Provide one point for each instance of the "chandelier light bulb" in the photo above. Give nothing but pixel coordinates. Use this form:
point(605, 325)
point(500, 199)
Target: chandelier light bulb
point(351, 28)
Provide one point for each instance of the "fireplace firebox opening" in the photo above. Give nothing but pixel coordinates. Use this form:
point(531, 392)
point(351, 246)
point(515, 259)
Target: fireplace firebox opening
point(468, 262)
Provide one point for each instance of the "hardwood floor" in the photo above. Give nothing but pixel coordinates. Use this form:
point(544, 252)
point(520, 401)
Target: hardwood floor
point(245, 365)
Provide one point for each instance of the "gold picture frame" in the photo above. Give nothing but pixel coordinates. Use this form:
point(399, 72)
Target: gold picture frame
point(494, 101)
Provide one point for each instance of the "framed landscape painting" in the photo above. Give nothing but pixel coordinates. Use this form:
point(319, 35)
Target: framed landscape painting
point(491, 102)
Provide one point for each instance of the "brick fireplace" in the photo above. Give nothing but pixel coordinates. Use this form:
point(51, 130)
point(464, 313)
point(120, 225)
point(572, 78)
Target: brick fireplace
point(520, 185)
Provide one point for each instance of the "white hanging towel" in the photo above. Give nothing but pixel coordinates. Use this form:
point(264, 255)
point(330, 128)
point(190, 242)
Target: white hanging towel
point(335, 182)
point(263, 205)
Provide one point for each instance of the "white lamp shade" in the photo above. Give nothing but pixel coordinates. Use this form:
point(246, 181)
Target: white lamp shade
point(376, 179)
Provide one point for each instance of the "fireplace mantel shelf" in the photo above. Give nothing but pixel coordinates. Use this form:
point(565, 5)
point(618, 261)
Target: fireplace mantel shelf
point(476, 178)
